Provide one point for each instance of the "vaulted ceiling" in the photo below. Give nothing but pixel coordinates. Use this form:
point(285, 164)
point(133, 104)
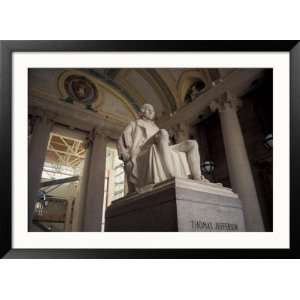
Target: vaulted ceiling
point(121, 92)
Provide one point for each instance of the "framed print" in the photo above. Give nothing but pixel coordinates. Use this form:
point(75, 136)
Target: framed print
point(149, 149)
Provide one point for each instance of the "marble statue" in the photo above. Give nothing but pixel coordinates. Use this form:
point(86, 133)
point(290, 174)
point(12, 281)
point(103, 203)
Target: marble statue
point(149, 158)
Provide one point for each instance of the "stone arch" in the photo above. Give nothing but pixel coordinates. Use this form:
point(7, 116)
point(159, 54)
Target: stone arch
point(101, 86)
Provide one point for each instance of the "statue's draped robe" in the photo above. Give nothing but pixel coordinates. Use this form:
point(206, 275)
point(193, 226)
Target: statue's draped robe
point(148, 165)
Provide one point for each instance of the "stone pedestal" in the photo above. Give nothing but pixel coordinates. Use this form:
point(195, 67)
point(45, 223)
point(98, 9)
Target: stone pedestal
point(177, 205)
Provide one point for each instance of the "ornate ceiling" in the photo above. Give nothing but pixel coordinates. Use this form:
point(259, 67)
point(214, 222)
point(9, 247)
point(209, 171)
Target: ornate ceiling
point(117, 94)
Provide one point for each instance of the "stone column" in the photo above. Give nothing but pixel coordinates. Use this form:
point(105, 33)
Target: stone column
point(36, 157)
point(238, 163)
point(111, 183)
point(80, 199)
point(68, 215)
point(126, 189)
point(93, 202)
point(30, 129)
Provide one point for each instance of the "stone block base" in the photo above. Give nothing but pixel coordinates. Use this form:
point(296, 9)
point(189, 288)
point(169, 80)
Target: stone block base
point(177, 205)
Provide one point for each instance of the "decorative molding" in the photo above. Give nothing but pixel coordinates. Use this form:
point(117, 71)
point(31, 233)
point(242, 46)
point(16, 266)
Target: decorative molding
point(102, 82)
point(82, 90)
point(73, 116)
point(70, 78)
point(40, 94)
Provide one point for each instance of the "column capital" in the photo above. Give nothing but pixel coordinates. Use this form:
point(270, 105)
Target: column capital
point(42, 120)
point(39, 114)
point(50, 116)
point(93, 134)
point(226, 101)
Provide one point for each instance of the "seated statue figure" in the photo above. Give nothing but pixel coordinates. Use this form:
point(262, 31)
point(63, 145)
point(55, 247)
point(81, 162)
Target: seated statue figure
point(148, 156)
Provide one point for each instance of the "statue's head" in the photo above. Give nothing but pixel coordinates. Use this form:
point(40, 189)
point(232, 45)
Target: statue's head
point(147, 112)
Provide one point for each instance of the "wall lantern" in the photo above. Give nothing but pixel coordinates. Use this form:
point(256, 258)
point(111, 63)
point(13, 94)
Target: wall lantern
point(41, 203)
point(39, 208)
point(268, 141)
point(208, 167)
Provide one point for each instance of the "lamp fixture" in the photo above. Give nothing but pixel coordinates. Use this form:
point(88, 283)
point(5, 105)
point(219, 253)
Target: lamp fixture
point(41, 203)
point(208, 167)
point(268, 141)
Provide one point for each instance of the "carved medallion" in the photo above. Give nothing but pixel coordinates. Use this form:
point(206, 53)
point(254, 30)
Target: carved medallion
point(80, 89)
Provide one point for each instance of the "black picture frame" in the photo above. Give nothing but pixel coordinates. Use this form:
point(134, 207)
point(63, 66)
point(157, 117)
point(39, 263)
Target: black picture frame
point(7, 48)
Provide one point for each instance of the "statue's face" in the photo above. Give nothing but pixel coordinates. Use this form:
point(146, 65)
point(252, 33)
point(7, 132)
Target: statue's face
point(148, 112)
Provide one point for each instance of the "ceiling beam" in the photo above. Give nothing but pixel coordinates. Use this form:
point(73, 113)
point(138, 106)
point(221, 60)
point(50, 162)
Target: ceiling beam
point(59, 181)
point(51, 148)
